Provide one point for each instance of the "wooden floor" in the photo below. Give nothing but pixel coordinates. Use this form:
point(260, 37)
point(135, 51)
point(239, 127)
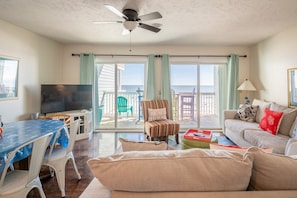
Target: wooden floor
point(83, 150)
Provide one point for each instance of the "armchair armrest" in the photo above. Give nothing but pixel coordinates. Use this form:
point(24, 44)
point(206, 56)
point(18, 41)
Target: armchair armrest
point(291, 147)
point(229, 114)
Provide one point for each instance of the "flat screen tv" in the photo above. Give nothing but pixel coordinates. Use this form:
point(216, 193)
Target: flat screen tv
point(65, 97)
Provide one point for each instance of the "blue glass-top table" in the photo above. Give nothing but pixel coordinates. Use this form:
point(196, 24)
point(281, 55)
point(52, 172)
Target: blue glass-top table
point(17, 133)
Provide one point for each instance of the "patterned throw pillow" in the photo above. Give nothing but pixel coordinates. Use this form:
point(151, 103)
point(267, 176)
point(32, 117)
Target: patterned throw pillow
point(247, 112)
point(157, 114)
point(271, 121)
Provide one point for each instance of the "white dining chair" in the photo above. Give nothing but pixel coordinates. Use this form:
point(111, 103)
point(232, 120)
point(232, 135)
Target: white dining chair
point(18, 183)
point(57, 157)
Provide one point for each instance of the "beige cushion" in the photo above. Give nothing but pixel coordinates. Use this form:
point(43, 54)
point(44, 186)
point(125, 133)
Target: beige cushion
point(288, 118)
point(173, 170)
point(128, 145)
point(272, 171)
point(157, 114)
point(293, 132)
point(238, 149)
point(262, 106)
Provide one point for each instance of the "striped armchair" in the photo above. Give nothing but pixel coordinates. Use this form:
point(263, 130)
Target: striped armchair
point(162, 127)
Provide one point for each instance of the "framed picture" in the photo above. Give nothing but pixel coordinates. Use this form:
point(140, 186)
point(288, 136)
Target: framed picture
point(292, 87)
point(8, 78)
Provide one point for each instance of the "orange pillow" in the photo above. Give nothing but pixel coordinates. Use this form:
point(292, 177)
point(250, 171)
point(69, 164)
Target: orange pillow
point(271, 121)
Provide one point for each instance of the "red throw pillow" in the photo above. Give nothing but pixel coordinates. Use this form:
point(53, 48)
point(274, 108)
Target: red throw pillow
point(271, 121)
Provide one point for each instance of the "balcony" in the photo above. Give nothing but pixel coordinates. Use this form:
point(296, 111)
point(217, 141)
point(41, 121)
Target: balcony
point(208, 112)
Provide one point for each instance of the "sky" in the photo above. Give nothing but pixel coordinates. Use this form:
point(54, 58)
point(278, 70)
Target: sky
point(180, 74)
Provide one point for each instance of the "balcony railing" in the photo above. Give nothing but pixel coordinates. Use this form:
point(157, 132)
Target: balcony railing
point(207, 103)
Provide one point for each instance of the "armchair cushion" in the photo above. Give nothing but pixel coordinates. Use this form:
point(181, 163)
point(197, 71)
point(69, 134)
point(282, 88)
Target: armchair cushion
point(156, 114)
point(161, 128)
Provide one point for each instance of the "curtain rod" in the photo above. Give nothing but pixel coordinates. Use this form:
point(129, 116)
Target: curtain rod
point(158, 56)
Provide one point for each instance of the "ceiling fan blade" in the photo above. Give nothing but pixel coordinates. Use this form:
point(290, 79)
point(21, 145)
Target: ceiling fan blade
point(149, 27)
point(125, 32)
point(116, 11)
point(150, 16)
point(104, 22)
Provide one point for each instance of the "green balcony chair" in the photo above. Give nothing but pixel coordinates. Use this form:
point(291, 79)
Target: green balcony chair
point(123, 106)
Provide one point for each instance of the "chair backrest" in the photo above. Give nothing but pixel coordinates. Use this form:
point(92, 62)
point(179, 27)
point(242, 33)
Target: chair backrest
point(73, 128)
point(71, 132)
point(39, 146)
point(153, 104)
point(122, 103)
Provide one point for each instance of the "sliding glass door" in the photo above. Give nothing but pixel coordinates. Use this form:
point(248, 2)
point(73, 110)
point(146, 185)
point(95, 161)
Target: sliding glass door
point(120, 90)
point(195, 95)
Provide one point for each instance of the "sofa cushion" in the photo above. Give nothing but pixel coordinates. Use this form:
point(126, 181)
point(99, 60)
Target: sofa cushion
point(247, 112)
point(262, 106)
point(271, 121)
point(293, 132)
point(288, 118)
point(272, 171)
point(264, 139)
point(173, 170)
point(239, 126)
point(128, 145)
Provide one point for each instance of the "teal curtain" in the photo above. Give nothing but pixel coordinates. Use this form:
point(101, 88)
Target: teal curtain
point(88, 75)
point(166, 85)
point(232, 79)
point(87, 68)
point(222, 90)
point(150, 88)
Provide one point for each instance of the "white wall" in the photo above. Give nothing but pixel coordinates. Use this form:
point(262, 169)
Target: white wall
point(71, 64)
point(270, 60)
point(45, 61)
point(39, 62)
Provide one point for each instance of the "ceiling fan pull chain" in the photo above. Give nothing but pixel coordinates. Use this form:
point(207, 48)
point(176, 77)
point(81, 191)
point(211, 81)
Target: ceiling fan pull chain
point(130, 50)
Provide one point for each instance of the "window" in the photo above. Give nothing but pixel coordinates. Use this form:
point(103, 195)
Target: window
point(195, 95)
point(120, 88)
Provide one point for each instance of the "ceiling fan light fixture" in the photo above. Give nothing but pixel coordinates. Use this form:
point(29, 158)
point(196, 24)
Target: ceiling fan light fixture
point(130, 25)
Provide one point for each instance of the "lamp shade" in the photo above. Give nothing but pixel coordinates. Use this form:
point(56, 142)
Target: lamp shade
point(247, 86)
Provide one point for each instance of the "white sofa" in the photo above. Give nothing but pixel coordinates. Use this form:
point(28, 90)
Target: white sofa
point(248, 134)
point(192, 173)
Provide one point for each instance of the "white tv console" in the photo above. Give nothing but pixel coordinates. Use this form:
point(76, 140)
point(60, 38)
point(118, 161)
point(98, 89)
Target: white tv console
point(85, 129)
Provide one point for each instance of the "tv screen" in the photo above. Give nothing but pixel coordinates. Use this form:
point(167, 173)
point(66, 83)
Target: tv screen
point(65, 97)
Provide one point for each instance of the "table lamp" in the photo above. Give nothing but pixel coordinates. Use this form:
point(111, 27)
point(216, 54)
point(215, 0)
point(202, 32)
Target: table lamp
point(246, 86)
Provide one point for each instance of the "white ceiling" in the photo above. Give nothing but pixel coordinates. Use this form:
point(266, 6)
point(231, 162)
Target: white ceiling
point(184, 22)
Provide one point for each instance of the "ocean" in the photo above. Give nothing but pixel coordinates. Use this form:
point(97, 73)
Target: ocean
point(176, 88)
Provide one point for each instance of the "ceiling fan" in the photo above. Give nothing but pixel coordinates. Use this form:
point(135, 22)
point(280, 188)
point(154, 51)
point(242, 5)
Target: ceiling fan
point(132, 20)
